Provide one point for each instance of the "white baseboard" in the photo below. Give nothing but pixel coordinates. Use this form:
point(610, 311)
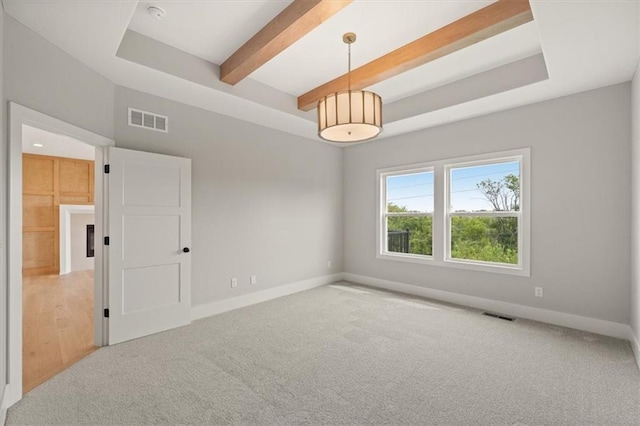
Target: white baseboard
point(218, 307)
point(4, 405)
point(607, 328)
point(635, 344)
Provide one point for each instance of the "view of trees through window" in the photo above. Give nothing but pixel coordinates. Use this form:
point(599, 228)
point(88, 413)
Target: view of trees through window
point(485, 201)
point(409, 234)
point(488, 239)
point(484, 212)
point(410, 209)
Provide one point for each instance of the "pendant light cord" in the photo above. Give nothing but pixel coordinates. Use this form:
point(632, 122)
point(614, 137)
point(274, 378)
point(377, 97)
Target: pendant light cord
point(349, 73)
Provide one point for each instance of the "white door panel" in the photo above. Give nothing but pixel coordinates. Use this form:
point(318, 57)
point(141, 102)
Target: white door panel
point(151, 184)
point(149, 227)
point(150, 287)
point(142, 239)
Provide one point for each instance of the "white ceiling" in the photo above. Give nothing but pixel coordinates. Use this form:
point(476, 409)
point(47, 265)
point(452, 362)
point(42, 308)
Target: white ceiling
point(207, 29)
point(54, 144)
point(586, 44)
point(381, 27)
point(518, 43)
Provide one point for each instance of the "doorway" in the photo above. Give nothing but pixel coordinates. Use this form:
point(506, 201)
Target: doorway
point(63, 301)
point(141, 282)
point(57, 253)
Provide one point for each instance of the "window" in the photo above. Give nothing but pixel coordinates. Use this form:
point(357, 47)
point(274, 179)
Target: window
point(470, 213)
point(484, 212)
point(408, 218)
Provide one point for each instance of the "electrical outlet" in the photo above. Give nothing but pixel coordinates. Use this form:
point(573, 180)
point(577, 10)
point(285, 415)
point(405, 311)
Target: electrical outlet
point(328, 264)
point(538, 291)
point(234, 282)
point(253, 280)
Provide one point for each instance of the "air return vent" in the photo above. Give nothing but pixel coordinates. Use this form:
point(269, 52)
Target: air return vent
point(502, 317)
point(148, 120)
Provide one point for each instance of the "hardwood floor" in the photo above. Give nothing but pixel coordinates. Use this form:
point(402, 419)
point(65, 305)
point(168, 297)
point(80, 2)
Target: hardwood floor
point(57, 324)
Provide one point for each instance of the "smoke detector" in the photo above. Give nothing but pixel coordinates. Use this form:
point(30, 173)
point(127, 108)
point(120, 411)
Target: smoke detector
point(156, 12)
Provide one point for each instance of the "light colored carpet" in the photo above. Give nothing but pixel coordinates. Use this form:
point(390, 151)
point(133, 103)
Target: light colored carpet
point(334, 356)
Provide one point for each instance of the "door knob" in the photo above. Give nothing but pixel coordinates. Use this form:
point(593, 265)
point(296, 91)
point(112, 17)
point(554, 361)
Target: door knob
point(186, 250)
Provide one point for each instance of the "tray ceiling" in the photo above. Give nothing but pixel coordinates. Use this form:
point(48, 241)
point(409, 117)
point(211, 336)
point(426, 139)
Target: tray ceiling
point(582, 44)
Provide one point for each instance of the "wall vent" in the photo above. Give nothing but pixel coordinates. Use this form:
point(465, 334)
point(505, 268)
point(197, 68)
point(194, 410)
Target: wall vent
point(502, 317)
point(148, 120)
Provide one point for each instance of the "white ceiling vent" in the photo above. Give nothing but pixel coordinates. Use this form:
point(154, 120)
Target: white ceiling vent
point(148, 120)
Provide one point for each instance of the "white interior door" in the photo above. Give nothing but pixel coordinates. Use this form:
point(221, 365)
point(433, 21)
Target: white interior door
point(149, 239)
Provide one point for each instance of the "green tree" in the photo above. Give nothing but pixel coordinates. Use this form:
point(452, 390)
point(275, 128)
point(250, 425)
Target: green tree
point(420, 229)
point(504, 194)
point(490, 239)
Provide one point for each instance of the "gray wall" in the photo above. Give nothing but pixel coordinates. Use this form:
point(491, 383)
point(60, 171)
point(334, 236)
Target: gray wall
point(3, 234)
point(581, 174)
point(271, 204)
point(635, 212)
point(265, 203)
point(42, 77)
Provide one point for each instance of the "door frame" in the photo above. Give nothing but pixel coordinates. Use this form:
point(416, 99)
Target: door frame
point(19, 115)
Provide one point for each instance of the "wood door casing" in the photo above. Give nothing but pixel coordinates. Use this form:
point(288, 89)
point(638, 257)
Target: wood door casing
point(48, 182)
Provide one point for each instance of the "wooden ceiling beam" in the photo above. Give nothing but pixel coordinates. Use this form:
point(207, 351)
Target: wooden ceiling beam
point(299, 18)
point(480, 25)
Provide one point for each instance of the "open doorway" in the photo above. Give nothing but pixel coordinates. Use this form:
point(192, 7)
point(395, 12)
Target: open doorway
point(57, 253)
point(20, 118)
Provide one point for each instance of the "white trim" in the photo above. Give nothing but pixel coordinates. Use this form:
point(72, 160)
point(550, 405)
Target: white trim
point(19, 116)
point(410, 258)
point(101, 256)
point(66, 210)
point(382, 231)
point(635, 344)
point(485, 214)
point(441, 224)
point(522, 157)
point(593, 325)
point(4, 406)
point(408, 214)
point(218, 307)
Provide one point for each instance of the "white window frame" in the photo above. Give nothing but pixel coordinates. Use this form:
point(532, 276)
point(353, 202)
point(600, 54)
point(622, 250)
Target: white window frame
point(441, 216)
point(382, 226)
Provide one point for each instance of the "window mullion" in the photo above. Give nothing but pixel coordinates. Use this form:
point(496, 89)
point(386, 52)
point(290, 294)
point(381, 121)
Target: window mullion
point(408, 214)
point(487, 214)
point(439, 200)
point(499, 224)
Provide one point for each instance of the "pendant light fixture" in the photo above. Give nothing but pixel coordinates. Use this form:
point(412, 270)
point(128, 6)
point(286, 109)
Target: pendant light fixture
point(349, 116)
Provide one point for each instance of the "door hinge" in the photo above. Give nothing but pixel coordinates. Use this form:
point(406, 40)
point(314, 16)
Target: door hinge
point(106, 168)
point(106, 241)
point(106, 312)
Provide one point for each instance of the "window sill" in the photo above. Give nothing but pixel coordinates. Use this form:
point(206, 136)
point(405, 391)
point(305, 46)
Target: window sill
point(401, 257)
point(458, 264)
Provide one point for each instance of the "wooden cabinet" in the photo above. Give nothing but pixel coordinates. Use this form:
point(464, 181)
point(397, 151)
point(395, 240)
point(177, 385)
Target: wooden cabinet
point(48, 182)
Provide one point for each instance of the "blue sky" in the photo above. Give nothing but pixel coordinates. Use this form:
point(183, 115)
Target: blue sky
point(415, 191)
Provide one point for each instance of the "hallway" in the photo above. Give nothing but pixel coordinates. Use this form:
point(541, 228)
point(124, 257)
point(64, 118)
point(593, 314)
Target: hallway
point(57, 324)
